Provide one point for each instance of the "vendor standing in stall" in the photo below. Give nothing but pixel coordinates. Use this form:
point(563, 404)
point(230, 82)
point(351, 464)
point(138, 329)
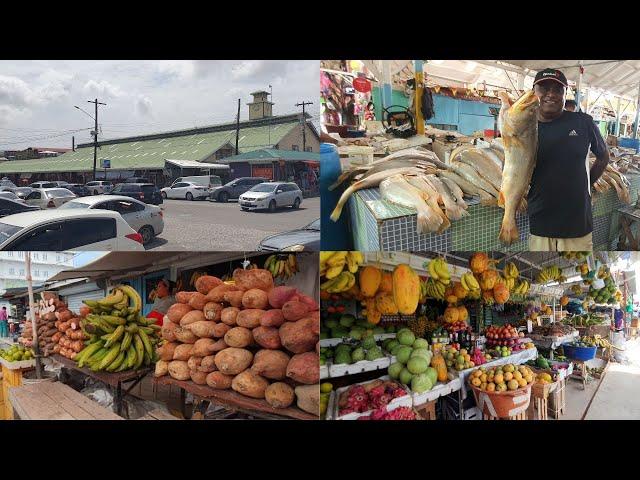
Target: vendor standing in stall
point(164, 298)
point(559, 200)
point(4, 322)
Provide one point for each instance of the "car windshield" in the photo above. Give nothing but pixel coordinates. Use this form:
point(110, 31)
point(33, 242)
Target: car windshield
point(73, 204)
point(215, 181)
point(314, 225)
point(263, 187)
point(7, 231)
point(59, 192)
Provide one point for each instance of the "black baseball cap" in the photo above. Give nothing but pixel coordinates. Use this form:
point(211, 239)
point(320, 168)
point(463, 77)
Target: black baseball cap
point(551, 74)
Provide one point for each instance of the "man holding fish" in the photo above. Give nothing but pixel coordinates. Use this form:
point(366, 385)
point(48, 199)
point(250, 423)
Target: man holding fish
point(546, 147)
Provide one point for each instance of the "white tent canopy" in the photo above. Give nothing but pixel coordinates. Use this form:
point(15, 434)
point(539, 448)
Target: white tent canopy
point(618, 77)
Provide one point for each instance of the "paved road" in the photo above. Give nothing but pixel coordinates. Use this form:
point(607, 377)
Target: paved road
point(204, 225)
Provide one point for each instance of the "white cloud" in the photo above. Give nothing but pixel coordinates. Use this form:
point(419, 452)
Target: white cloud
point(181, 69)
point(11, 116)
point(143, 106)
point(54, 86)
point(15, 92)
point(102, 88)
point(251, 69)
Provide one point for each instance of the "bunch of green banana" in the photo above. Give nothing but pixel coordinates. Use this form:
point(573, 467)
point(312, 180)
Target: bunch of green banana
point(341, 283)
point(470, 283)
point(548, 274)
point(434, 289)
point(439, 271)
point(120, 338)
point(332, 263)
point(580, 256)
point(282, 265)
point(522, 288)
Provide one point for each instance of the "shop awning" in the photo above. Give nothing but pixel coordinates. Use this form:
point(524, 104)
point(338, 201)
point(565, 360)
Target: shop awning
point(194, 164)
point(117, 265)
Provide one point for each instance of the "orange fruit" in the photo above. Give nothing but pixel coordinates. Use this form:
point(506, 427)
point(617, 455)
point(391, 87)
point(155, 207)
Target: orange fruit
point(512, 385)
point(522, 382)
point(499, 378)
point(491, 387)
point(508, 376)
point(517, 375)
point(483, 377)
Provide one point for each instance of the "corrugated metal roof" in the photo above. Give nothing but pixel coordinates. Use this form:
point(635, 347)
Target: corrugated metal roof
point(272, 154)
point(192, 164)
point(140, 153)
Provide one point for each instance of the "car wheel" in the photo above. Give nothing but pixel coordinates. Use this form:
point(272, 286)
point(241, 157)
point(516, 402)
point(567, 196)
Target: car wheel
point(95, 192)
point(189, 196)
point(244, 209)
point(164, 195)
point(223, 197)
point(296, 204)
point(272, 206)
point(147, 234)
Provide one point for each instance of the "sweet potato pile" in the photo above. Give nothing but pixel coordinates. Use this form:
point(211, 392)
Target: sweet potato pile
point(58, 330)
point(257, 339)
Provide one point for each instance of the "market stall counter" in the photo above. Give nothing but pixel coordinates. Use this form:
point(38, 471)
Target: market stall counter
point(232, 401)
point(115, 380)
point(55, 401)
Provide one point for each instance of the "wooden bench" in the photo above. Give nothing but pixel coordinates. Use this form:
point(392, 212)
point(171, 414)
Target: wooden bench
point(55, 401)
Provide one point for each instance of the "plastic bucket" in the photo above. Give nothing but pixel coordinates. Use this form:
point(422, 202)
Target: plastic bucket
point(579, 353)
point(334, 234)
point(503, 404)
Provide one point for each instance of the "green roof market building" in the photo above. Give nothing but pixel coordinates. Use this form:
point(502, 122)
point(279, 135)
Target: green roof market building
point(164, 156)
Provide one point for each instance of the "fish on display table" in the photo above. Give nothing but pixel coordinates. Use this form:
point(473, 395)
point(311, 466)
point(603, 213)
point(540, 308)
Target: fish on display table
point(519, 128)
point(452, 209)
point(430, 194)
point(471, 175)
point(467, 187)
point(396, 189)
point(369, 182)
point(379, 166)
point(482, 164)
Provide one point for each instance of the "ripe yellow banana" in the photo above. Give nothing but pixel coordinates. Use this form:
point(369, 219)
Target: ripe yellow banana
point(333, 272)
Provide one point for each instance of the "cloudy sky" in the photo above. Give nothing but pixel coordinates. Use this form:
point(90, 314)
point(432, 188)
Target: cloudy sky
point(37, 98)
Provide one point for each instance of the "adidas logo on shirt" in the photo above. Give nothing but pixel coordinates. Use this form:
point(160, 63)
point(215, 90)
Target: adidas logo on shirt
point(573, 133)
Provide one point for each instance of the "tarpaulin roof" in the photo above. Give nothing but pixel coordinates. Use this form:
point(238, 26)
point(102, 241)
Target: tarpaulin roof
point(130, 264)
point(273, 154)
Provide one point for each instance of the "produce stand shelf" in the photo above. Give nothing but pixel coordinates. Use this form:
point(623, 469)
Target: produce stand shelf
point(552, 342)
point(235, 401)
point(332, 342)
point(55, 401)
point(114, 380)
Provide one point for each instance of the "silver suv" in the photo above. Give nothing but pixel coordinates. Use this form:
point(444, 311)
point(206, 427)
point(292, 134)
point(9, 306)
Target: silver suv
point(98, 187)
point(271, 195)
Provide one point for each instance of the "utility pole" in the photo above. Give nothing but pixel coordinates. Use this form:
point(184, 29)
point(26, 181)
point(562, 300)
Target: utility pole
point(32, 314)
point(304, 124)
point(271, 100)
point(238, 128)
point(73, 144)
point(95, 135)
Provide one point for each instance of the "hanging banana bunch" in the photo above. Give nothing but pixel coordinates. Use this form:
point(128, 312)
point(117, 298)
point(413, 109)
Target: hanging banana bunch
point(282, 265)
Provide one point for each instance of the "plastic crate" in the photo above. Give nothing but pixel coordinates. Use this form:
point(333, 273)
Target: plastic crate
point(405, 401)
point(342, 369)
point(579, 353)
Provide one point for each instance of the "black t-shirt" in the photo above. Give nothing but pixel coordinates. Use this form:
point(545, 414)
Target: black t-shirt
point(559, 200)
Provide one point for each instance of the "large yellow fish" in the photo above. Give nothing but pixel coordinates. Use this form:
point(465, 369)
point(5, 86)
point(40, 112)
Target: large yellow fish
point(519, 128)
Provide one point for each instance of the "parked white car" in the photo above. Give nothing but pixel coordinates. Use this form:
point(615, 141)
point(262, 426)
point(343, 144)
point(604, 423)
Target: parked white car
point(271, 195)
point(145, 219)
point(59, 230)
point(185, 190)
point(49, 197)
point(11, 196)
point(43, 185)
point(98, 187)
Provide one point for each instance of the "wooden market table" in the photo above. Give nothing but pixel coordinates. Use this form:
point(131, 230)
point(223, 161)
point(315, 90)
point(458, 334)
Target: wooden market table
point(55, 401)
point(231, 400)
point(115, 380)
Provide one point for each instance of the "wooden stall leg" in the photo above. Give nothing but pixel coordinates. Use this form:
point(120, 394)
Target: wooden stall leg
point(200, 407)
point(183, 400)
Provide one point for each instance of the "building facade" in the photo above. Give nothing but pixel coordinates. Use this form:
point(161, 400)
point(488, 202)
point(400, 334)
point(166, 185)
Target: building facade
point(43, 266)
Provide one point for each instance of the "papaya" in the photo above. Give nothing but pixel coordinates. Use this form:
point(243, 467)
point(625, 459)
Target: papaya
point(406, 289)
point(370, 278)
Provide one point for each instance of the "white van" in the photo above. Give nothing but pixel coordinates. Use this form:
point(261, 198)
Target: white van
point(208, 181)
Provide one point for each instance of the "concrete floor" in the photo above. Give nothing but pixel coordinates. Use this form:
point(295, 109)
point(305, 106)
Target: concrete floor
point(577, 399)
